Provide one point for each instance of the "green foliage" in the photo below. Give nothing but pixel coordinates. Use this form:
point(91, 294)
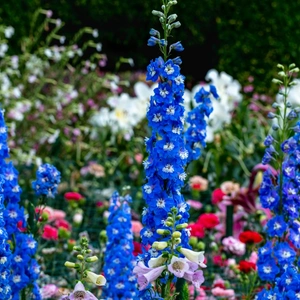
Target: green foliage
point(239, 37)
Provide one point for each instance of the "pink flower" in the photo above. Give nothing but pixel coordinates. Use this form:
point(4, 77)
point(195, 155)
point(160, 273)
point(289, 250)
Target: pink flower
point(61, 223)
point(136, 227)
point(57, 215)
point(194, 204)
point(198, 183)
point(253, 257)
point(80, 290)
point(73, 196)
point(146, 275)
point(200, 293)
point(219, 292)
point(178, 266)
point(49, 291)
point(50, 233)
point(139, 158)
point(234, 246)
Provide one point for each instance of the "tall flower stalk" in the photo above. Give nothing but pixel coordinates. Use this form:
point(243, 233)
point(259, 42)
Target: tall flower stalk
point(119, 259)
point(24, 269)
point(278, 262)
point(165, 217)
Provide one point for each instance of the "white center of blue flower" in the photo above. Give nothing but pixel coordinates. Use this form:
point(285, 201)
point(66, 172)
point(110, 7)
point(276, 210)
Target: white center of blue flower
point(169, 146)
point(161, 203)
point(170, 110)
point(169, 69)
point(163, 92)
point(267, 269)
point(168, 168)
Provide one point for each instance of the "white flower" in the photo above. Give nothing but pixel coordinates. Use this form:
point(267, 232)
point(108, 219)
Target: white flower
point(3, 49)
point(196, 257)
point(95, 278)
point(156, 262)
point(9, 32)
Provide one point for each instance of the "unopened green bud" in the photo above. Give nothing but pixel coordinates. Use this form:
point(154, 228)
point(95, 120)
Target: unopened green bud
point(80, 257)
point(193, 241)
point(77, 248)
point(88, 251)
point(175, 25)
point(177, 241)
point(70, 264)
point(282, 74)
point(296, 70)
point(92, 259)
point(179, 217)
point(182, 226)
point(176, 234)
point(227, 284)
point(292, 66)
point(280, 66)
point(160, 245)
point(163, 7)
point(292, 83)
point(172, 18)
point(201, 246)
point(214, 246)
point(163, 231)
point(169, 223)
point(174, 210)
point(158, 13)
point(161, 20)
point(277, 81)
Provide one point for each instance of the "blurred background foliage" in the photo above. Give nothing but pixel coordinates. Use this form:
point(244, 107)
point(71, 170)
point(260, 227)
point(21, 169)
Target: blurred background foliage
point(239, 37)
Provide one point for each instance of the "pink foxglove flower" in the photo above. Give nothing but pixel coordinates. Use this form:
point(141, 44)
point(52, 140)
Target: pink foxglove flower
point(144, 278)
point(80, 293)
point(178, 266)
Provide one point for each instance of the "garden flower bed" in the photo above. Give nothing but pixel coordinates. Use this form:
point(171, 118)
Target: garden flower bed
point(133, 186)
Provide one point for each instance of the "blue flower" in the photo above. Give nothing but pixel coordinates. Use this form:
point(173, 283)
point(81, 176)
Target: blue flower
point(48, 178)
point(177, 47)
point(119, 259)
point(284, 253)
point(276, 226)
point(267, 269)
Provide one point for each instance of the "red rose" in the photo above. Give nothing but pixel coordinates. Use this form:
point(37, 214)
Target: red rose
point(250, 237)
point(217, 196)
point(208, 220)
point(247, 266)
point(197, 230)
point(73, 196)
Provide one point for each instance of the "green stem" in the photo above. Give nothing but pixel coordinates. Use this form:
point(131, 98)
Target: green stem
point(229, 220)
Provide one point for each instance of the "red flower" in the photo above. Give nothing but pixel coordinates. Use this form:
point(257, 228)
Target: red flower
point(250, 237)
point(197, 230)
point(247, 266)
point(137, 248)
point(62, 223)
point(73, 196)
point(20, 226)
point(219, 261)
point(208, 220)
point(217, 196)
point(50, 233)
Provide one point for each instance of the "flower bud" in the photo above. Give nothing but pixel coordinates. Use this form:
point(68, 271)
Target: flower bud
point(201, 246)
point(296, 70)
point(91, 259)
point(70, 264)
point(169, 223)
point(292, 66)
point(160, 245)
point(282, 74)
point(77, 248)
point(176, 234)
point(172, 18)
point(163, 231)
point(182, 226)
point(80, 257)
point(280, 66)
point(271, 115)
point(277, 81)
point(177, 241)
point(193, 241)
point(158, 13)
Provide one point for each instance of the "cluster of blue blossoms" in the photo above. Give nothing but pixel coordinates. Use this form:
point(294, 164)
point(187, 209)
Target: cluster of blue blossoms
point(196, 133)
point(165, 166)
point(119, 259)
point(18, 267)
point(47, 180)
point(278, 261)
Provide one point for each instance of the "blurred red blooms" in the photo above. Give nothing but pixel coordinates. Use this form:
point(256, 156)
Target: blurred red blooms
point(62, 223)
point(137, 248)
point(197, 230)
point(247, 266)
point(208, 220)
point(73, 196)
point(250, 237)
point(219, 261)
point(217, 196)
point(50, 233)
